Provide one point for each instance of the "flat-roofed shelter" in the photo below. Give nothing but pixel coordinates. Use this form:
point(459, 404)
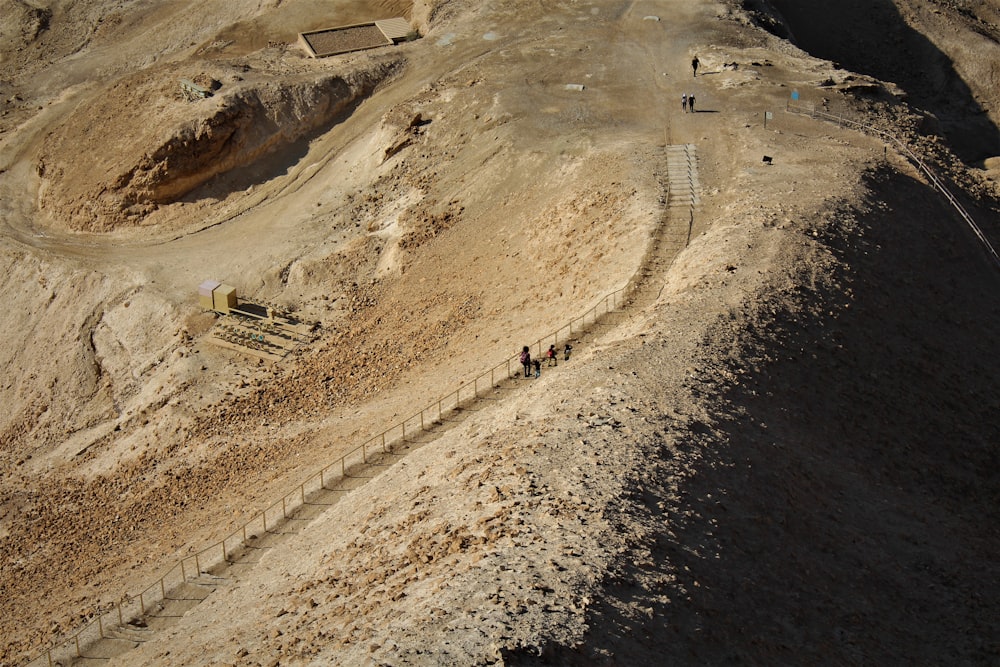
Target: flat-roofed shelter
point(333, 41)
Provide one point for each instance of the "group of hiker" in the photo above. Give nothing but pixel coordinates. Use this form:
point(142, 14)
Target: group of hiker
point(551, 357)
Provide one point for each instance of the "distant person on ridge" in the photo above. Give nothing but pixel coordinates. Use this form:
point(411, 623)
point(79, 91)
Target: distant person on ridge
point(551, 356)
point(684, 102)
point(694, 66)
point(566, 351)
point(691, 102)
point(538, 368)
point(526, 361)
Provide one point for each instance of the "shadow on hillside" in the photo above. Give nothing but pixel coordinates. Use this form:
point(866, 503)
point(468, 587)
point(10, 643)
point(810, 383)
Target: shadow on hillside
point(870, 37)
point(842, 508)
point(272, 165)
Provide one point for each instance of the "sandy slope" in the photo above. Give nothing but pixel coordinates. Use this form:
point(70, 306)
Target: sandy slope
point(783, 453)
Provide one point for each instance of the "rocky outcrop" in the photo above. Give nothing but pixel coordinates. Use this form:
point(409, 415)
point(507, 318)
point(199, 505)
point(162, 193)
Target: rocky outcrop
point(95, 182)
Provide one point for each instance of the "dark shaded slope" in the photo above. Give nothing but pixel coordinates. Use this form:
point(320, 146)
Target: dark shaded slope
point(841, 506)
point(856, 496)
point(869, 433)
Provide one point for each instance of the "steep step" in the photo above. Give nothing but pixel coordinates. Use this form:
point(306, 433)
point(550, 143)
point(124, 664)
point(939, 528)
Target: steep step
point(683, 194)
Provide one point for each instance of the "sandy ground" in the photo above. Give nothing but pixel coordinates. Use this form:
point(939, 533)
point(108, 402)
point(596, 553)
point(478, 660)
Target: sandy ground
point(782, 452)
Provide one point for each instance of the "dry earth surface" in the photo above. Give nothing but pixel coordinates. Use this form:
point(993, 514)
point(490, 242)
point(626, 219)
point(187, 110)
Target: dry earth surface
point(782, 450)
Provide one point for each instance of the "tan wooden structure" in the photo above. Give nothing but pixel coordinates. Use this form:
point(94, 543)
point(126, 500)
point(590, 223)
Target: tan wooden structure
point(357, 37)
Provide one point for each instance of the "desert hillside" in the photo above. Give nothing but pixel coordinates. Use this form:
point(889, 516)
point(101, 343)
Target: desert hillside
point(780, 447)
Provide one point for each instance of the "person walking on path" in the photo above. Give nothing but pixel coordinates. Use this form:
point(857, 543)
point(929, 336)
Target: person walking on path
point(566, 351)
point(551, 356)
point(694, 66)
point(684, 102)
point(691, 102)
point(538, 367)
point(526, 361)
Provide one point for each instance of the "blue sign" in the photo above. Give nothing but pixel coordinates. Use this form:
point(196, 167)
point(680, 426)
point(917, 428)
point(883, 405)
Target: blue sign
point(795, 95)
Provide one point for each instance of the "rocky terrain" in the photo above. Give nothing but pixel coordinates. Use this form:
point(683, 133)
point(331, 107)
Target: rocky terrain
point(781, 450)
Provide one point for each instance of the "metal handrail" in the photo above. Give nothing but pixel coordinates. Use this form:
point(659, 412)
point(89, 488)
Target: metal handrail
point(916, 161)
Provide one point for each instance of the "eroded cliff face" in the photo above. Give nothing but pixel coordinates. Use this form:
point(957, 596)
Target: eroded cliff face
point(110, 164)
